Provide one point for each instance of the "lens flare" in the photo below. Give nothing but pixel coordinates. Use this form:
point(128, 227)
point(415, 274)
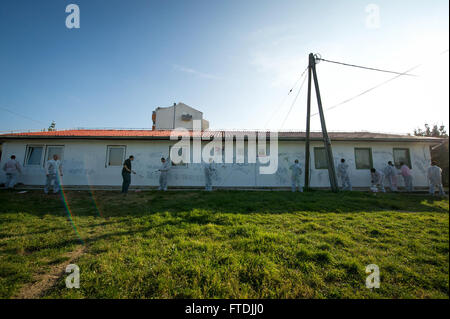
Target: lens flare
point(69, 211)
point(93, 197)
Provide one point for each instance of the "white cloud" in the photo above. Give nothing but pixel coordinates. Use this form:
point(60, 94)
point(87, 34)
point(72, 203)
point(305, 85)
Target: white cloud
point(195, 72)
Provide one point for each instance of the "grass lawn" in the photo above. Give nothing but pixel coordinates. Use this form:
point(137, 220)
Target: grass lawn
point(224, 244)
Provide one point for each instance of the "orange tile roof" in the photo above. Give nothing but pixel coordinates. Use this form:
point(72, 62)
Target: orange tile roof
point(165, 134)
point(94, 133)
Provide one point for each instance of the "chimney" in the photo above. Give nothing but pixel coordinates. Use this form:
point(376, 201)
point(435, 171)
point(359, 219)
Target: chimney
point(154, 120)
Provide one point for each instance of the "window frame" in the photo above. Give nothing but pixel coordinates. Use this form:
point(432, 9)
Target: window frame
point(27, 155)
point(315, 157)
point(108, 147)
point(46, 152)
point(370, 158)
point(409, 164)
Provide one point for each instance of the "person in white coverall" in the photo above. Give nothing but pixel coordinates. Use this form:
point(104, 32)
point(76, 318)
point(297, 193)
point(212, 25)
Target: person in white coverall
point(377, 179)
point(390, 173)
point(407, 176)
point(435, 179)
point(164, 169)
point(209, 171)
point(295, 177)
point(53, 171)
point(342, 173)
point(12, 169)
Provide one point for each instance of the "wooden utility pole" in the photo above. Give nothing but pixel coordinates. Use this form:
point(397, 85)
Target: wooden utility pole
point(308, 120)
point(326, 140)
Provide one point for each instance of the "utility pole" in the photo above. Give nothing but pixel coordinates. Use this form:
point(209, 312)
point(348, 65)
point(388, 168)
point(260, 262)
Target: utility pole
point(326, 138)
point(308, 120)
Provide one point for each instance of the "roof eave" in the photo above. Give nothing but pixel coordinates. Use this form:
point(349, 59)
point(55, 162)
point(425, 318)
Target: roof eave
point(282, 138)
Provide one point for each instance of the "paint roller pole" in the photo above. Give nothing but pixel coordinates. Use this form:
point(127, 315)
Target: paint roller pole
point(326, 138)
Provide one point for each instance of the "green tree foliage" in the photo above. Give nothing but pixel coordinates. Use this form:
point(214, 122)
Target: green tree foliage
point(435, 131)
point(439, 153)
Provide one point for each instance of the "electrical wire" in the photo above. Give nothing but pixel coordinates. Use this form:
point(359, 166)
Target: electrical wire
point(368, 90)
point(20, 115)
point(293, 102)
point(284, 99)
point(376, 86)
point(365, 67)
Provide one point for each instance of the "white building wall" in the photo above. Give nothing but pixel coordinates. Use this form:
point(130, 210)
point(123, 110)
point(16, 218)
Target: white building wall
point(167, 120)
point(84, 163)
point(164, 118)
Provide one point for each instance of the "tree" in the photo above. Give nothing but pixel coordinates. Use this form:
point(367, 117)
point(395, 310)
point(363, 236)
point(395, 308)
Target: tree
point(435, 131)
point(439, 153)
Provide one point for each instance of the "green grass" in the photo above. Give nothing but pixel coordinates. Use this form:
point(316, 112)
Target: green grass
point(228, 244)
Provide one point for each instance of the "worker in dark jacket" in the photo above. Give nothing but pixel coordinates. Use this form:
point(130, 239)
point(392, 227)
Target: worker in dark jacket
point(126, 174)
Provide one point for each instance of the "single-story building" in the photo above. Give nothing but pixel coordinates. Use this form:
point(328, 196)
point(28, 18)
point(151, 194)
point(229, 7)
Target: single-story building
point(95, 157)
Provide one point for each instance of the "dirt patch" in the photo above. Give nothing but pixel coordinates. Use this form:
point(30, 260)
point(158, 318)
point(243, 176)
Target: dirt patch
point(44, 282)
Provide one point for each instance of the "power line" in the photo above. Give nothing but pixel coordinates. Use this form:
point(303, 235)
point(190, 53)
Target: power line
point(368, 90)
point(301, 75)
point(285, 97)
point(377, 86)
point(293, 102)
point(21, 115)
point(365, 67)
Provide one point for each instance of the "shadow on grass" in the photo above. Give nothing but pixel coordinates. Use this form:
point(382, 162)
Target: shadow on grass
point(113, 204)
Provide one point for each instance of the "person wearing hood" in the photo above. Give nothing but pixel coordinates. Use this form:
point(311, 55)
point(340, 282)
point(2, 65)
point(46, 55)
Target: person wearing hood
point(390, 173)
point(164, 170)
point(342, 173)
point(377, 179)
point(435, 179)
point(12, 169)
point(407, 177)
point(296, 171)
point(209, 171)
point(53, 172)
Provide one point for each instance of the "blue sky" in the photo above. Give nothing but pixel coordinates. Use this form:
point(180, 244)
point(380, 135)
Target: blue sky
point(233, 60)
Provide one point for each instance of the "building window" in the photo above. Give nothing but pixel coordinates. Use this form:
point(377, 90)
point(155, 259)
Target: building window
point(363, 158)
point(115, 155)
point(402, 155)
point(34, 155)
point(320, 158)
point(54, 150)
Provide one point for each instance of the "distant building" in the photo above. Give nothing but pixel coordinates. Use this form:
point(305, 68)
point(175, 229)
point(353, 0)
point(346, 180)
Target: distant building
point(177, 116)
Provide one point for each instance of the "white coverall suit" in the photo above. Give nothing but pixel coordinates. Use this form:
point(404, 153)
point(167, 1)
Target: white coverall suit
point(390, 173)
point(295, 177)
point(53, 175)
point(164, 169)
point(11, 168)
point(378, 179)
point(342, 173)
point(435, 179)
point(209, 172)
